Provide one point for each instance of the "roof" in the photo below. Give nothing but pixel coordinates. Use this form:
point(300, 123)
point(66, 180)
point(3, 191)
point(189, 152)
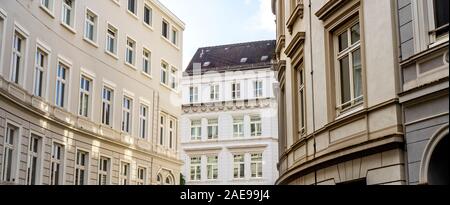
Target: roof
point(233, 57)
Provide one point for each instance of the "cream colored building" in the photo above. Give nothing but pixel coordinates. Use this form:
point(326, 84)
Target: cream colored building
point(89, 92)
point(340, 116)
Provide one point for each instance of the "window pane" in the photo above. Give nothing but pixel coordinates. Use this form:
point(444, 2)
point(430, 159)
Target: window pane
point(441, 12)
point(357, 73)
point(343, 41)
point(345, 80)
point(355, 33)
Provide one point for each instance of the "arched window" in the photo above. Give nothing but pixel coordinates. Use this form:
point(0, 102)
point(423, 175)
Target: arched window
point(169, 180)
point(159, 179)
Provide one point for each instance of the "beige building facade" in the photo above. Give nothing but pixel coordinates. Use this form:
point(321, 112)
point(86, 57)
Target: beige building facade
point(89, 92)
point(340, 117)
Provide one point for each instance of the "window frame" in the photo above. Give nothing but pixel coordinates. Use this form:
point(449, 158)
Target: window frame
point(94, 25)
point(110, 103)
point(123, 177)
point(22, 34)
point(86, 94)
point(239, 123)
point(172, 133)
point(239, 166)
point(213, 124)
point(431, 27)
point(195, 169)
point(165, 71)
point(173, 78)
point(258, 88)
point(259, 164)
point(212, 168)
point(162, 121)
point(71, 26)
point(150, 9)
point(107, 173)
point(197, 126)
point(143, 180)
point(193, 94)
point(15, 151)
point(85, 167)
point(38, 154)
point(129, 111)
point(3, 23)
point(133, 50)
point(116, 37)
point(43, 82)
point(214, 92)
point(144, 121)
point(167, 30)
point(49, 10)
point(147, 60)
point(60, 162)
point(65, 100)
point(235, 90)
point(135, 12)
point(257, 125)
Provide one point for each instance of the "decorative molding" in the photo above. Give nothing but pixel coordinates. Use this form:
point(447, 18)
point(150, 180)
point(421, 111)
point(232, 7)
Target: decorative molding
point(281, 43)
point(296, 44)
point(296, 14)
point(326, 10)
point(228, 105)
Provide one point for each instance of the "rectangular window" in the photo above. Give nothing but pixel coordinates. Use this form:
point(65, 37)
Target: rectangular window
point(104, 171)
point(301, 98)
point(81, 168)
point(57, 164)
point(238, 127)
point(127, 106)
point(255, 126)
point(48, 4)
point(143, 121)
point(165, 29)
point(10, 152)
point(196, 130)
point(111, 40)
point(141, 176)
point(212, 167)
point(172, 127)
point(146, 61)
point(173, 78)
point(2, 27)
point(349, 72)
point(164, 75)
point(124, 173)
point(85, 95)
point(239, 167)
point(196, 167)
point(214, 92)
point(256, 165)
point(18, 57)
point(34, 157)
point(68, 11)
point(61, 81)
point(441, 19)
point(130, 51)
point(174, 37)
point(193, 94)
point(235, 91)
point(132, 5)
point(39, 72)
point(107, 106)
point(213, 129)
point(148, 15)
point(162, 130)
point(258, 89)
point(90, 30)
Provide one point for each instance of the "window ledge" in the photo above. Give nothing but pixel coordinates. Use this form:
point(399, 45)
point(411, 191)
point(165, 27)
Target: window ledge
point(297, 13)
point(90, 42)
point(146, 75)
point(113, 55)
point(130, 65)
point(116, 2)
point(133, 14)
point(148, 26)
point(170, 42)
point(50, 13)
point(350, 111)
point(168, 87)
point(69, 28)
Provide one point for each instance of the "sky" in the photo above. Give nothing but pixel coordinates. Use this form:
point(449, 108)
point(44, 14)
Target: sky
point(218, 22)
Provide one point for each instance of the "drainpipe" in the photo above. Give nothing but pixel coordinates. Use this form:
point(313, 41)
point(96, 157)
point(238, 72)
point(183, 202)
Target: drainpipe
point(312, 88)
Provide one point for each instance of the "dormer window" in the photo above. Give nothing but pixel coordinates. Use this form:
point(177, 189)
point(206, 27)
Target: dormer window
point(244, 60)
point(264, 58)
point(206, 64)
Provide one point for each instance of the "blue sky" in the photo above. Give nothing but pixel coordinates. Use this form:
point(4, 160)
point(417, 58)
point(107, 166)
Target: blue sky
point(216, 22)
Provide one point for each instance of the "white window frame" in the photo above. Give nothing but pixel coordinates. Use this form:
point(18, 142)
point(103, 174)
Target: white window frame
point(128, 127)
point(133, 13)
point(212, 167)
point(130, 50)
point(174, 36)
point(147, 62)
point(301, 100)
point(173, 78)
point(236, 90)
point(258, 89)
point(107, 103)
point(19, 72)
point(162, 121)
point(14, 147)
point(64, 101)
point(256, 125)
point(102, 173)
point(239, 124)
point(164, 75)
point(258, 165)
point(214, 92)
point(238, 165)
point(195, 169)
point(2, 36)
point(80, 167)
point(40, 72)
point(193, 94)
point(125, 176)
point(114, 38)
point(141, 180)
point(65, 7)
point(213, 127)
point(55, 161)
point(48, 9)
point(37, 154)
point(164, 21)
point(150, 9)
point(431, 26)
point(172, 128)
point(196, 130)
point(85, 92)
point(94, 23)
point(143, 121)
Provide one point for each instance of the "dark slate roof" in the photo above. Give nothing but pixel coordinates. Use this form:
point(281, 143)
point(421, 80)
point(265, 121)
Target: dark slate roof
point(258, 54)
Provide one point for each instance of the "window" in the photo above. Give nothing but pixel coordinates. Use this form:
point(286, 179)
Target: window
point(196, 167)
point(238, 127)
point(196, 130)
point(2, 27)
point(111, 40)
point(124, 173)
point(165, 29)
point(169, 180)
point(256, 165)
point(90, 30)
point(235, 91)
point(349, 72)
point(85, 94)
point(172, 128)
point(301, 98)
point(61, 81)
point(18, 57)
point(148, 15)
point(162, 130)
point(441, 19)
point(10, 152)
point(164, 71)
point(146, 61)
point(104, 171)
point(174, 37)
point(255, 126)
point(213, 129)
point(159, 179)
point(68, 7)
point(39, 71)
point(258, 89)
point(193, 94)
point(173, 78)
point(81, 168)
point(34, 157)
point(141, 176)
point(131, 46)
point(143, 121)
point(132, 5)
point(56, 172)
point(212, 167)
point(127, 106)
point(239, 167)
point(107, 106)
point(214, 92)
point(47, 4)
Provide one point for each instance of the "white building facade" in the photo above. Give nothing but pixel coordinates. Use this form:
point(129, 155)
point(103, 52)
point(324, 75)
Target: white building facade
point(229, 122)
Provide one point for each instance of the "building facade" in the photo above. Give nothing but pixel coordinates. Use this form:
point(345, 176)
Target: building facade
point(340, 115)
point(229, 121)
point(423, 61)
point(89, 92)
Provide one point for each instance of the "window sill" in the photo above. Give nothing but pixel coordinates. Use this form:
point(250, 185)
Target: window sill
point(113, 55)
point(46, 10)
point(133, 14)
point(440, 41)
point(351, 110)
point(147, 75)
point(170, 42)
point(89, 41)
point(68, 28)
point(166, 86)
point(131, 66)
point(148, 26)
point(116, 2)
